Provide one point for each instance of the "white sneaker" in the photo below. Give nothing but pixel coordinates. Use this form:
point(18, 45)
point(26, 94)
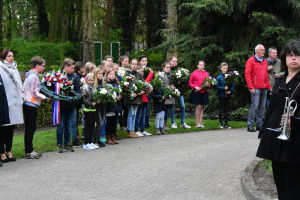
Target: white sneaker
point(88, 147)
point(139, 133)
point(199, 125)
point(184, 125)
point(95, 146)
point(146, 133)
point(174, 126)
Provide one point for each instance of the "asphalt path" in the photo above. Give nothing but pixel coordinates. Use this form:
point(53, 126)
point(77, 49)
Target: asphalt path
point(199, 165)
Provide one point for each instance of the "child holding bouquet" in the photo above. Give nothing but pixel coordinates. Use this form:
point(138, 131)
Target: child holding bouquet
point(159, 106)
point(137, 99)
point(224, 94)
point(112, 110)
point(141, 112)
point(199, 96)
point(68, 111)
point(169, 101)
point(89, 108)
point(101, 107)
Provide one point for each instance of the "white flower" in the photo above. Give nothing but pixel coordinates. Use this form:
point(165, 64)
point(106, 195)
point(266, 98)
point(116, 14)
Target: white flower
point(48, 75)
point(61, 85)
point(121, 71)
point(226, 75)
point(126, 83)
point(236, 73)
point(55, 79)
point(103, 91)
point(72, 87)
point(48, 84)
point(134, 87)
point(161, 74)
point(114, 95)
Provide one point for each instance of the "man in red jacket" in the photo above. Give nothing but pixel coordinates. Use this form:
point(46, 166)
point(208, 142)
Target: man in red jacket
point(257, 78)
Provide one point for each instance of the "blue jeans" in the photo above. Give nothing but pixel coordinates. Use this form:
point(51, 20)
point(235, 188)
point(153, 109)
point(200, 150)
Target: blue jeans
point(258, 105)
point(132, 109)
point(171, 110)
point(182, 109)
point(102, 131)
point(140, 118)
point(147, 117)
point(67, 126)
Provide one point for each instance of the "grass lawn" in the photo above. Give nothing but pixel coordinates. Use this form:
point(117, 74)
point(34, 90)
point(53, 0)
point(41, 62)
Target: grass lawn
point(45, 141)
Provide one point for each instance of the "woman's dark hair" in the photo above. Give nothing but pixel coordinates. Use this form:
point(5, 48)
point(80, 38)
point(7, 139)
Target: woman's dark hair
point(293, 46)
point(142, 56)
point(165, 64)
point(121, 59)
point(78, 66)
point(4, 54)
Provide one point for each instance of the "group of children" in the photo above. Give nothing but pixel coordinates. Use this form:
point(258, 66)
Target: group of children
point(100, 120)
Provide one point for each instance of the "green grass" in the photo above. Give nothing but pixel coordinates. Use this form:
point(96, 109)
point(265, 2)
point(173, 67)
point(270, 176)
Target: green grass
point(45, 141)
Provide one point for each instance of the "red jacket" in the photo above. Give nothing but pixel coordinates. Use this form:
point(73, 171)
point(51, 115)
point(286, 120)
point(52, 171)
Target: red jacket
point(197, 79)
point(256, 74)
point(148, 79)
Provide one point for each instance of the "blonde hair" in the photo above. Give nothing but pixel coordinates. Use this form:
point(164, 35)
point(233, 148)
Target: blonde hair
point(96, 83)
point(111, 70)
point(89, 66)
point(86, 86)
point(224, 64)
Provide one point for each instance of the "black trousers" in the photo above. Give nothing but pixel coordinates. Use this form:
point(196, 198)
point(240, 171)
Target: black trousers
point(287, 180)
point(30, 115)
point(110, 127)
point(6, 138)
point(89, 123)
point(223, 109)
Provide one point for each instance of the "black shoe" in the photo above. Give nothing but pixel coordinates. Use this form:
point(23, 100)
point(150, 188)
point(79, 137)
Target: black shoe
point(11, 159)
point(117, 137)
point(100, 144)
point(76, 143)
point(250, 129)
point(4, 160)
point(257, 128)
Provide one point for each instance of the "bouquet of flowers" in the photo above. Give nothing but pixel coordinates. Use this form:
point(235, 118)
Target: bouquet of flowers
point(141, 86)
point(82, 81)
point(157, 82)
point(212, 81)
point(127, 88)
point(51, 80)
point(231, 78)
point(107, 94)
point(171, 91)
point(180, 75)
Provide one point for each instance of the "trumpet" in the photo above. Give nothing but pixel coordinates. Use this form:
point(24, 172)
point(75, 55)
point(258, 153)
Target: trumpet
point(289, 110)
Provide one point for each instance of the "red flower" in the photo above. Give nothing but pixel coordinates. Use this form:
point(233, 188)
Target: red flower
point(173, 89)
point(60, 80)
point(127, 87)
point(68, 83)
point(47, 79)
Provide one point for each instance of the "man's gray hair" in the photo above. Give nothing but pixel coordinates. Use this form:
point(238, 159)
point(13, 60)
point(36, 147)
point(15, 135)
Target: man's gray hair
point(257, 47)
point(272, 48)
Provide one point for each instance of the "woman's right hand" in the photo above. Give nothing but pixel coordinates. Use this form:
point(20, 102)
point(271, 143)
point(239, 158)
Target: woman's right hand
point(197, 88)
point(134, 95)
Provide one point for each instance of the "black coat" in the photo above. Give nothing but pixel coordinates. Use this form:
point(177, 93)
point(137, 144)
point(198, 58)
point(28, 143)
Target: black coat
point(270, 146)
point(159, 104)
point(4, 114)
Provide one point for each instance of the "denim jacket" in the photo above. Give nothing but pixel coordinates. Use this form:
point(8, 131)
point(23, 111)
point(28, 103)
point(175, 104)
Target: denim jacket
point(221, 83)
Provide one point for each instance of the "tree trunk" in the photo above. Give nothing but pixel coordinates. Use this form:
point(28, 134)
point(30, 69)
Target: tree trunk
point(1, 17)
point(42, 17)
point(79, 11)
point(53, 34)
point(107, 26)
point(88, 39)
point(8, 34)
point(171, 25)
point(66, 22)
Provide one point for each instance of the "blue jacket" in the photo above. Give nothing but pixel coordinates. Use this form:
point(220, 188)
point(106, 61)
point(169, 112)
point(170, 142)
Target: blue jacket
point(77, 90)
point(221, 83)
point(114, 108)
point(159, 104)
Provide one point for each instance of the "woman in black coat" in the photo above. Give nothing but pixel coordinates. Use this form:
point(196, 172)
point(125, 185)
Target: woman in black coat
point(284, 154)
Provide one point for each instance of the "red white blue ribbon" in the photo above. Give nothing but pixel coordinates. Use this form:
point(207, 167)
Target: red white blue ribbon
point(56, 107)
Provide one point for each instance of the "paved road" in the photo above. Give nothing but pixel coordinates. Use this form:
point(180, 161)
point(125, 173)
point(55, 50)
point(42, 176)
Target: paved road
point(202, 165)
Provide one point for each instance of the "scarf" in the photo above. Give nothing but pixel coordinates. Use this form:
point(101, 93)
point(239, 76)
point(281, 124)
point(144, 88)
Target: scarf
point(13, 73)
